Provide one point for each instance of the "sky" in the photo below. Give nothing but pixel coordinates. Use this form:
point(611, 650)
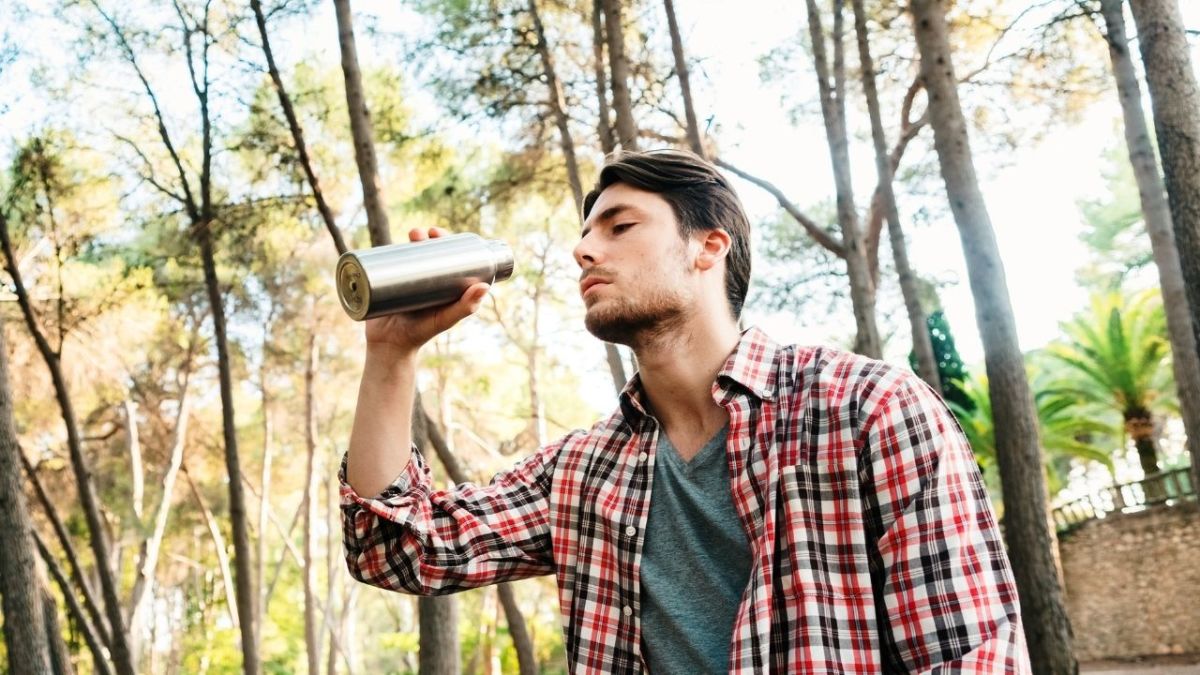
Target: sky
point(1032, 200)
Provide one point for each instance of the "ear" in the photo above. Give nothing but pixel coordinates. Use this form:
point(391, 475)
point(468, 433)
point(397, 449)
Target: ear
point(714, 246)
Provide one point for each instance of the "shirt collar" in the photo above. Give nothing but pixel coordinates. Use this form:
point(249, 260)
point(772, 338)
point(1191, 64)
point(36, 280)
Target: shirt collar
point(751, 365)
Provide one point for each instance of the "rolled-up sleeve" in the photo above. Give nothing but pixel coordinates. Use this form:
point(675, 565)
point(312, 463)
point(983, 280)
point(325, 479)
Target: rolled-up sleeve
point(944, 587)
point(415, 539)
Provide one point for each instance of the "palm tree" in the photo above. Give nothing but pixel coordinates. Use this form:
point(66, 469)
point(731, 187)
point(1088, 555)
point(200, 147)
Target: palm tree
point(1118, 357)
point(1067, 432)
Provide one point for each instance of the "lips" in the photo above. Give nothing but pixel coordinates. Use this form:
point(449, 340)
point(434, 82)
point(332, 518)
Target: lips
point(589, 283)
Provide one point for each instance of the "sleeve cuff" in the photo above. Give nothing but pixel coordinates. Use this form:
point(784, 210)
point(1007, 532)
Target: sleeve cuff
point(411, 476)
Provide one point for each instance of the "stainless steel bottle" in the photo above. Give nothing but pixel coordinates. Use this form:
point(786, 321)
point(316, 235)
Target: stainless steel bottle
point(405, 277)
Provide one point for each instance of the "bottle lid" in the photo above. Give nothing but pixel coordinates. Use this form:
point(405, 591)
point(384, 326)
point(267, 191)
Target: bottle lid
point(354, 287)
point(503, 256)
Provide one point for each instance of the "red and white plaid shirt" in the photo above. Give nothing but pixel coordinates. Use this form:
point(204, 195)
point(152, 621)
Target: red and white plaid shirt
point(873, 541)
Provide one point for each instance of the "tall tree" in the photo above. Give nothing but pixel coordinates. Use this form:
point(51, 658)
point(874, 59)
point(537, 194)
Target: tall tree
point(618, 67)
point(1067, 431)
point(608, 143)
point(151, 546)
point(24, 630)
point(685, 83)
point(312, 638)
point(361, 129)
point(289, 113)
point(922, 345)
point(438, 615)
point(1175, 101)
point(195, 197)
point(604, 130)
point(1116, 354)
point(38, 169)
point(833, 112)
point(1030, 540)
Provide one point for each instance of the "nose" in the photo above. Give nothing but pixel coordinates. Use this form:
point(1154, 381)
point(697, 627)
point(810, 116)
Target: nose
point(585, 252)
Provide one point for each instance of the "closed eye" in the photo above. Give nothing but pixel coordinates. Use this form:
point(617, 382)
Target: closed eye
point(621, 227)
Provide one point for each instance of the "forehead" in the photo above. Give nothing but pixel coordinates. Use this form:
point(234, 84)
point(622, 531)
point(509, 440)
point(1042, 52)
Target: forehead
point(619, 199)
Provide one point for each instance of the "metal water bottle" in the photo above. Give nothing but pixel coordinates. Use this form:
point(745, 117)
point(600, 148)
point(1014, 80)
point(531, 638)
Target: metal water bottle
point(406, 277)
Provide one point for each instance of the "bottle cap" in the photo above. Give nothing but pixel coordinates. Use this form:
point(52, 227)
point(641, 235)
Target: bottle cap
point(503, 256)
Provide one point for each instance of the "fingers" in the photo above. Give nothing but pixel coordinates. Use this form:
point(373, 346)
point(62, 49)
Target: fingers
point(419, 234)
point(467, 305)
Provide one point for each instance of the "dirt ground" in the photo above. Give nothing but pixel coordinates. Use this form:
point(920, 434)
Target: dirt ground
point(1188, 664)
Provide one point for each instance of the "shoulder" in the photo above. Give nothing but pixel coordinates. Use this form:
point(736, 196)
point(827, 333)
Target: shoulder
point(608, 430)
point(849, 385)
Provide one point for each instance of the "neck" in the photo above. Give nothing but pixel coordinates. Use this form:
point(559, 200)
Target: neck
point(678, 370)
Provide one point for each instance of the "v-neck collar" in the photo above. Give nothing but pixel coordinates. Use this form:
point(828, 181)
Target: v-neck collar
point(708, 452)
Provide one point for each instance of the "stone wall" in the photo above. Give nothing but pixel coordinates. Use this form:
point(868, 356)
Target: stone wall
point(1133, 583)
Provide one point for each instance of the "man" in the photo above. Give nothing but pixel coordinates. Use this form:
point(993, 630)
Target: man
point(749, 507)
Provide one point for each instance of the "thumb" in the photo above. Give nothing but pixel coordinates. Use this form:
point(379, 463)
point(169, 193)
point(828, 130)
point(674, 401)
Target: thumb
point(468, 304)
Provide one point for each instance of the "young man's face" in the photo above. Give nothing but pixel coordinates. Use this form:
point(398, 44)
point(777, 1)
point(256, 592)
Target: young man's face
point(636, 273)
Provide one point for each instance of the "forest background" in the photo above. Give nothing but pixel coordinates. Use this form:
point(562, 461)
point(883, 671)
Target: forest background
point(179, 178)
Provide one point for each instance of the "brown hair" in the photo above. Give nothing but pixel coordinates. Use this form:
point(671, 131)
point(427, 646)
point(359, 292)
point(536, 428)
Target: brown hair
point(701, 198)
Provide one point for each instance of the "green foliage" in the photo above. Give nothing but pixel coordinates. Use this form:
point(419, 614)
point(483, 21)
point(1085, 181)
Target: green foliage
point(1116, 232)
point(1117, 355)
point(799, 275)
point(1066, 432)
point(951, 370)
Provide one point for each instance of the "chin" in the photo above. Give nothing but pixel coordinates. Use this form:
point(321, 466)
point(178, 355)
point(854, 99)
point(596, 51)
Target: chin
point(624, 324)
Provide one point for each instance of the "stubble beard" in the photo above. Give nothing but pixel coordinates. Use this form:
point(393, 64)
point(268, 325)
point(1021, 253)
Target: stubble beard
point(623, 321)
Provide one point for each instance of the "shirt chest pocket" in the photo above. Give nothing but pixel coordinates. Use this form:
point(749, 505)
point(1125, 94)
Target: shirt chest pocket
point(820, 547)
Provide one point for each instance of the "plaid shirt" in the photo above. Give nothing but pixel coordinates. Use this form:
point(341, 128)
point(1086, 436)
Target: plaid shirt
point(873, 541)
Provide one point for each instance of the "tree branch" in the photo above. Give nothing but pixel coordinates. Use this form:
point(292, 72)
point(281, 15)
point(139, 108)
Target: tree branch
point(189, 202)
point(825, 239)
point(293, 123)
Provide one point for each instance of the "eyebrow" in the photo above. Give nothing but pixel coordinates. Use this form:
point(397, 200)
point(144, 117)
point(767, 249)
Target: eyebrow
point(608, 214)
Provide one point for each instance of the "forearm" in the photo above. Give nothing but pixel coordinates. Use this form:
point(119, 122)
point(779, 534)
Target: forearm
point(381, 438)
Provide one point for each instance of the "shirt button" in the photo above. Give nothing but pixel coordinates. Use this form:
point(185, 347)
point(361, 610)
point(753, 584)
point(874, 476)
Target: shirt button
point(643, 457)
point(630, 531)
point(627, 610)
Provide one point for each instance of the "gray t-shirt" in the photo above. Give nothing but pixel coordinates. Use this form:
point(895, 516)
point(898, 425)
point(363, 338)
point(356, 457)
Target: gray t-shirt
point(695, 563)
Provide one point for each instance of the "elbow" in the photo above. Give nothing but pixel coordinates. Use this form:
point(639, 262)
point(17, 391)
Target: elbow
point(400, 574)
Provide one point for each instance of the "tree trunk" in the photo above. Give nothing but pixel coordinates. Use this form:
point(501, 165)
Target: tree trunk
point(685, 86)
point(431, 436)
point(439, 636)
point(1175, 100)
point(24, 631)
point(118, 645)
point(1031, 542)
point(222, 551)
point(312, 636)
point(242, 557)
point(619, 70)
point(603, 126)
point(360, 129)
point(917, 319)
point(151, 547)
point(1147, 449)
point(60, 656)
point(862, 291)
point(85, 626)
point(264, 502)
point(83, 587)
point(558, 106)
point(518, 631)
point(616, 367)
point(137, 471)
point(438, 615)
